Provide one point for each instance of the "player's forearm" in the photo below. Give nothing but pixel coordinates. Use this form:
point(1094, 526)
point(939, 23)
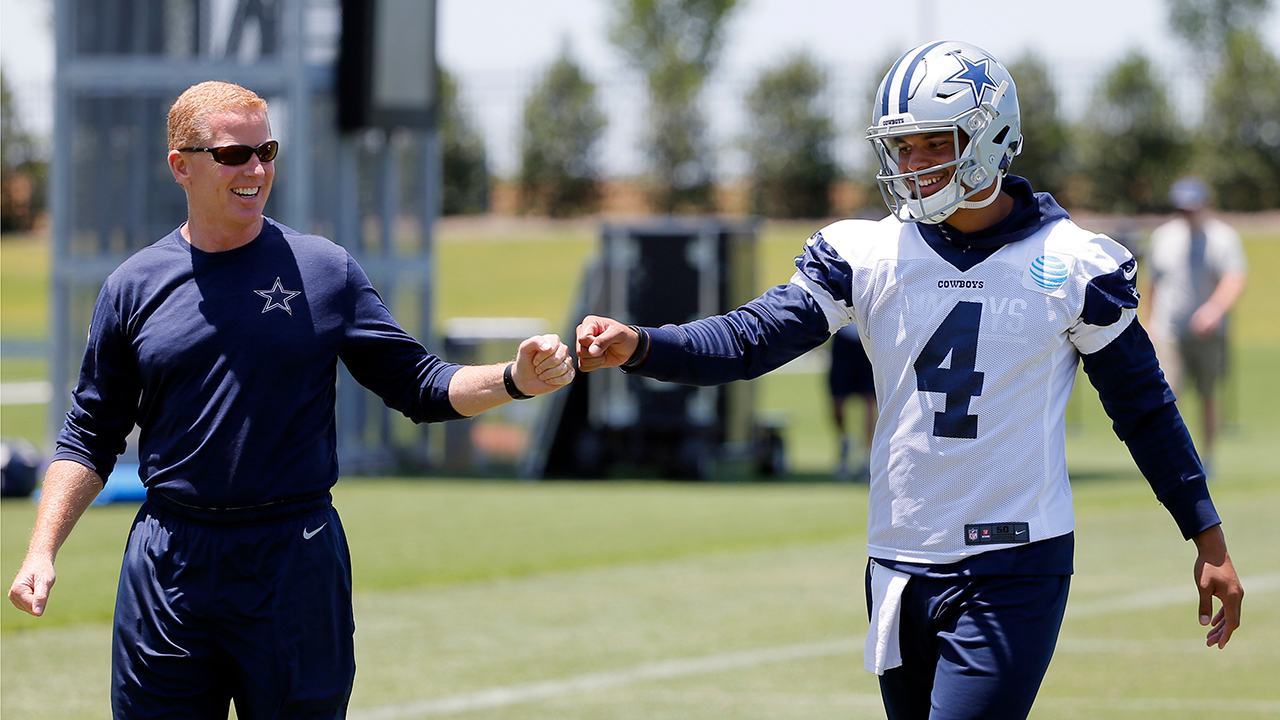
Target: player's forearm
point(1211, 543)
point(69, 488)
point(745, 343)
point(1138, 400)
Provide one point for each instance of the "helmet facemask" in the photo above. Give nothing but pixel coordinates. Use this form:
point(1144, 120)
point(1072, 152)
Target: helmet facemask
point(968, 176)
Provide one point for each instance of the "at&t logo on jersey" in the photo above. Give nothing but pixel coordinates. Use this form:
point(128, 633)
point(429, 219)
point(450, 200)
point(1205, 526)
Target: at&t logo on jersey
point(1047, 273)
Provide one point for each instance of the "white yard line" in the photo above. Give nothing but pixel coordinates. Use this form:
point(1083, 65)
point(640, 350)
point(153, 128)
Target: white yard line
point(1223, 707)
point(668, 669)
point(686, 667)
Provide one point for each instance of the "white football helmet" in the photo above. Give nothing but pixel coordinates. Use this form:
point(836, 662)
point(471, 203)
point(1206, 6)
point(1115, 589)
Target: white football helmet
point(946, 87)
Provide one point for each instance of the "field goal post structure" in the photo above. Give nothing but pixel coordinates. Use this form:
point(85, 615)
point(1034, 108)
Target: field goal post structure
point(372, 185)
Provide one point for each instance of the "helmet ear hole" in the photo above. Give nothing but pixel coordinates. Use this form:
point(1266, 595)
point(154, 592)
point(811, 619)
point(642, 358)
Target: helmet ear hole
point(999, 138)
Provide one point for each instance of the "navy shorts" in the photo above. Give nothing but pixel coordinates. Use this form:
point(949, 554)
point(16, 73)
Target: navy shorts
point(258, 614)
point(973, 647)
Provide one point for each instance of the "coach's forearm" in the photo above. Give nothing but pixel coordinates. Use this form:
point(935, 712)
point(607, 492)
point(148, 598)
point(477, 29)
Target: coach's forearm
point(476, 388)
point(68, 490)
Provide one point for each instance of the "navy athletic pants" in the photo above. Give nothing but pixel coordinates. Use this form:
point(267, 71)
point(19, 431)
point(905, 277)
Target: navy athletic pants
point(973, 648)
point(209, 612)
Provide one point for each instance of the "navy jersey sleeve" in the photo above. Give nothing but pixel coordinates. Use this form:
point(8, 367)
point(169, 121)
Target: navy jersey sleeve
point(105, 403)
point(762, 335)
point(385, 359)
point(1141, 406)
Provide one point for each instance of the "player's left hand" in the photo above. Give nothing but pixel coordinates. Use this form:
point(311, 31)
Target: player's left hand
point(1216, 577)
point(543, 364)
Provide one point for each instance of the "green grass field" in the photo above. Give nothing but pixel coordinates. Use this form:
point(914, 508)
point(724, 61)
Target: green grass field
point(654, 600)
point(663, 600)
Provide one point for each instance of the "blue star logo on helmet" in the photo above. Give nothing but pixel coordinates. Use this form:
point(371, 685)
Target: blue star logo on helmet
point(1049, 272)
point(975, 75)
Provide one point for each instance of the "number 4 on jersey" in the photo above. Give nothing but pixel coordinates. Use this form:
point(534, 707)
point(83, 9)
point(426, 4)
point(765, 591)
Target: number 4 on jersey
point(955, 339)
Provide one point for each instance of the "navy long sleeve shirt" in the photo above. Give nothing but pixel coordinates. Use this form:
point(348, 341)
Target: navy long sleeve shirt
point(227, 362)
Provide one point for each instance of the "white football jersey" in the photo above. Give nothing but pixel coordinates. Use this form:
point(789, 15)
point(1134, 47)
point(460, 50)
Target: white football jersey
point(973, 370)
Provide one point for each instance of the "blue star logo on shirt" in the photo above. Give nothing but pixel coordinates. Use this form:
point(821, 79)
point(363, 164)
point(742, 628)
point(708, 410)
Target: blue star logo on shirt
point(975, 75)
point(278, 297)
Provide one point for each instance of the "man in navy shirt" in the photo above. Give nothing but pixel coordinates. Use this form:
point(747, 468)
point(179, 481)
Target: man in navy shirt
point(221, 343)
point(976, 299)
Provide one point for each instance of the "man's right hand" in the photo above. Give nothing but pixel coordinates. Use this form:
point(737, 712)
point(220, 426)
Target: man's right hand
point(604, 343)
point(30, 590)
point(69, 488)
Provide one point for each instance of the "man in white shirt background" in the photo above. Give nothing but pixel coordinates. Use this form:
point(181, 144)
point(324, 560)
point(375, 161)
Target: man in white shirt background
point(1197, 269)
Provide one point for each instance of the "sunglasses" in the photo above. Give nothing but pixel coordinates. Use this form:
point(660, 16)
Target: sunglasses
point(239, 154)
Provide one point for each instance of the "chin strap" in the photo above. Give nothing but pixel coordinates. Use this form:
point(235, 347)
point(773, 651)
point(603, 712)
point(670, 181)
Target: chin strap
point(905, 212)
point(974, 204)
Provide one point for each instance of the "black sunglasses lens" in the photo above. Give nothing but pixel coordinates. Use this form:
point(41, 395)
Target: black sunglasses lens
point(232, 154)
point(267, 151)
point(240, 154)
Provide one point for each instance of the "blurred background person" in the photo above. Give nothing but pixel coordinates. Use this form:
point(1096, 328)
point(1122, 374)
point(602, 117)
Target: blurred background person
point(1198, 271)
point(850, 376)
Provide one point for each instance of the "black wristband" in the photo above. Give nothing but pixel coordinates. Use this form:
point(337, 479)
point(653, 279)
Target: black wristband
point(642, 347)
point(510, 384)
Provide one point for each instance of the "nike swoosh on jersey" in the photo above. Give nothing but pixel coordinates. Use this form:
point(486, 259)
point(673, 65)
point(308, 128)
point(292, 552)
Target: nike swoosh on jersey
point(308, 534)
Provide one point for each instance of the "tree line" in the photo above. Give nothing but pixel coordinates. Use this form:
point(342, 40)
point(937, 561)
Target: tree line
point(1120, 157)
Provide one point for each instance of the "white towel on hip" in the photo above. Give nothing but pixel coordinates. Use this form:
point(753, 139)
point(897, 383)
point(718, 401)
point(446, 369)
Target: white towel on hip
point(882, 650)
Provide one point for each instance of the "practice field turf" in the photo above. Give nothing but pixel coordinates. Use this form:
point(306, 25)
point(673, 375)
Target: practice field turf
point(664, 600)
point(653, 600)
